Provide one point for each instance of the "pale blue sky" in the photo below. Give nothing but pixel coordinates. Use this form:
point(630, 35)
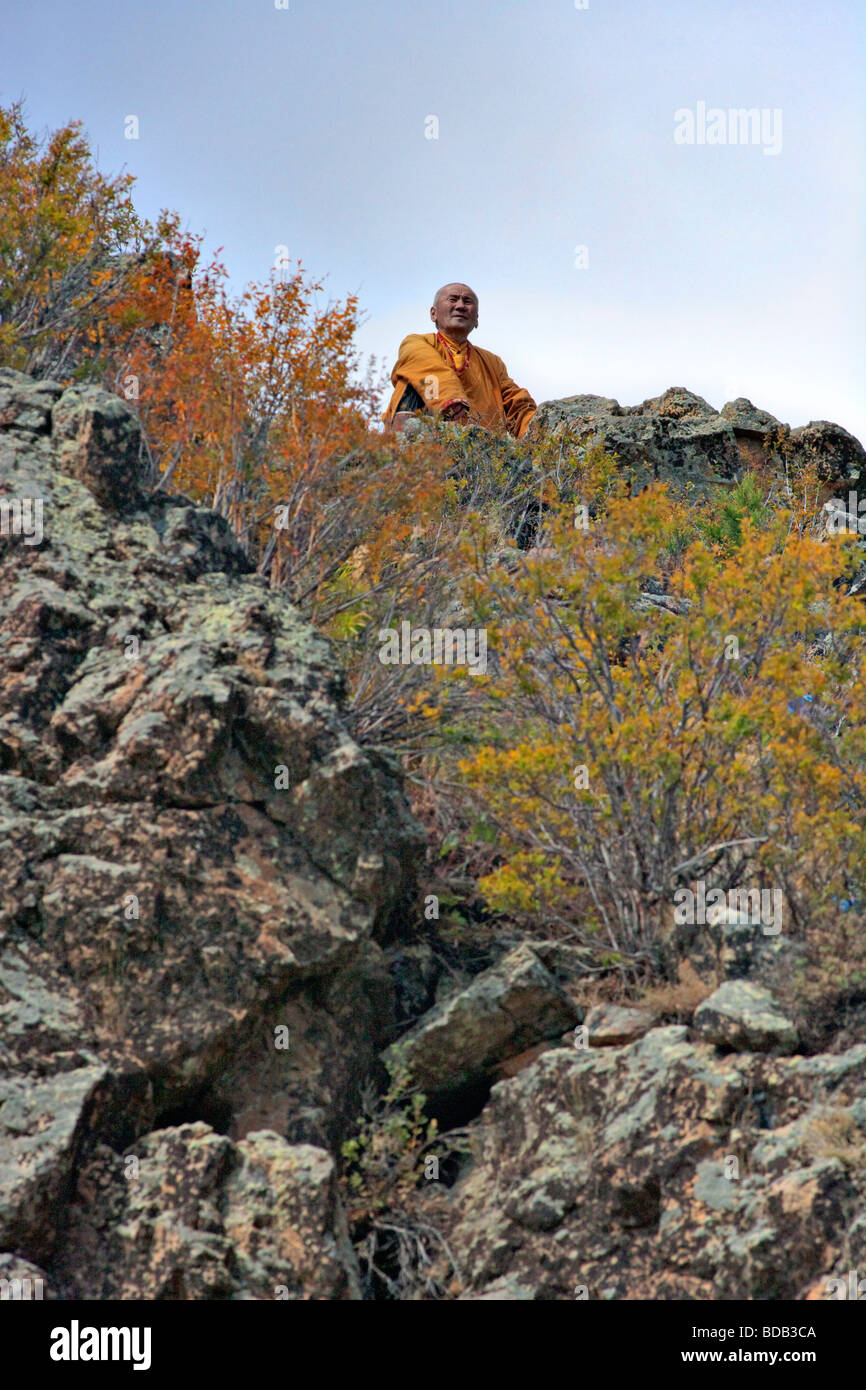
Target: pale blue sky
point(716, 267)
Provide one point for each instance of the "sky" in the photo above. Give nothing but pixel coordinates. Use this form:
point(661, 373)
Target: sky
point(538, 150)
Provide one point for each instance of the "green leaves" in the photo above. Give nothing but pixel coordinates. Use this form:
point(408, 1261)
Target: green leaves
point(744, 503)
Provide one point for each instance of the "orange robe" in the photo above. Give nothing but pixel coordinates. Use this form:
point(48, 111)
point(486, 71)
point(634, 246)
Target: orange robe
point(443, 372)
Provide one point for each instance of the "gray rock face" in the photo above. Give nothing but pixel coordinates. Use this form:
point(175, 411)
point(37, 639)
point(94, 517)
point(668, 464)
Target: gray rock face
point(676, 437)
point(187, 1214)
point(744, 1016)
point(748, 418)
point(98, 442)
point(42, 1127)
point(26, 404)
point(664, 1170)
point(839, 456)
point(199, 861)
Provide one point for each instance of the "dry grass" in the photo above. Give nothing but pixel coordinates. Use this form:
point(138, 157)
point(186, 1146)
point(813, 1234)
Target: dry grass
point(675, 1003)
point(833, 1133)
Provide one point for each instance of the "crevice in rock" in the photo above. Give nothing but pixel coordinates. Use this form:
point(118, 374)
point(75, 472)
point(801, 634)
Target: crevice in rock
point(199, 1105)
point(455, 1108)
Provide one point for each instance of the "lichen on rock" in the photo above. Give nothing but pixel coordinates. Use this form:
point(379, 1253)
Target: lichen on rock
point(197, 853)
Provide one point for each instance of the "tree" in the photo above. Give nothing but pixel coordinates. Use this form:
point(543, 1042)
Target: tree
point(68, 236)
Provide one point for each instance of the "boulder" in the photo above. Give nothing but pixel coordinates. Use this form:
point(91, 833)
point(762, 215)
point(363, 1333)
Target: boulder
point(840, 458)
point(98, 441)
point(505, 1010)
point(43, 1122)
point(744, 1016)
point(187, 1214)
point(748, 419)
point(612, 1025)
point(25, 404)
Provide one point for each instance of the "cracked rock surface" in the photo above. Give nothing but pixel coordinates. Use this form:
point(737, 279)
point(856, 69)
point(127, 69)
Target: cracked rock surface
point(199, 862)
point(664, 1169)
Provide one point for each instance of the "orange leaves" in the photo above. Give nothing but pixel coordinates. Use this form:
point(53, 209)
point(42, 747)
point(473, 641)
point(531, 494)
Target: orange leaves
point(61, 223)
point(249, 402)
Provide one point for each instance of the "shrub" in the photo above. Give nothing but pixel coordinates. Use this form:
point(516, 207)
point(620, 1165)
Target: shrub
point(643, 729)
point(402, 1254)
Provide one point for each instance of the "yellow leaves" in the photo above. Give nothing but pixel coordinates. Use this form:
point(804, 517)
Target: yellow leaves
point(422, 703)
point(687, 735)
point(526, 886)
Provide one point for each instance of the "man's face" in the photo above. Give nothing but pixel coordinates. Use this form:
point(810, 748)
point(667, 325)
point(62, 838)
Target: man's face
point(455, 311)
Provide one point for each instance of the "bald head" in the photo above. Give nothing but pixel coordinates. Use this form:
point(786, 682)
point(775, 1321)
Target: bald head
point(455, 311)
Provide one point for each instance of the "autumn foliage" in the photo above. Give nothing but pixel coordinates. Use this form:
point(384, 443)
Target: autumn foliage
point(639, 742)
point(67, 236)
point(250, 402)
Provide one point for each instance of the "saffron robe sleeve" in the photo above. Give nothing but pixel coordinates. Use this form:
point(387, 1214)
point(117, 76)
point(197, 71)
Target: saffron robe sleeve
point(517, 403)
point(420, 365)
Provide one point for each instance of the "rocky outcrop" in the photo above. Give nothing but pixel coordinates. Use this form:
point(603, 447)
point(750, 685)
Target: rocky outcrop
point(679, 438)
point(745, 1018)
point(199, 865)
point(201, 963)
point(187, 1214)
point(664, 1169)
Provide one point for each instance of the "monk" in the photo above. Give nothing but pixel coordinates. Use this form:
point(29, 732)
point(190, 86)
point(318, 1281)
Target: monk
point(444, 373)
